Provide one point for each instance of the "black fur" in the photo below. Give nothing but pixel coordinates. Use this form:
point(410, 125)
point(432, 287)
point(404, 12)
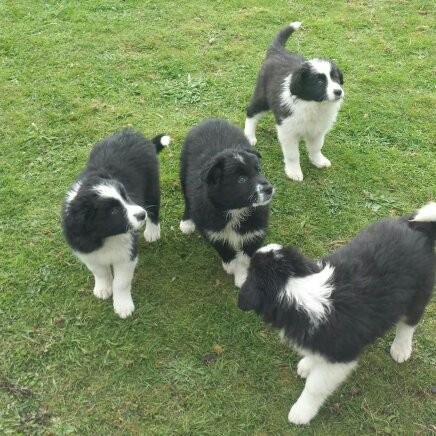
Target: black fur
point(384, 274)
point(126, 160)
point(214, 182)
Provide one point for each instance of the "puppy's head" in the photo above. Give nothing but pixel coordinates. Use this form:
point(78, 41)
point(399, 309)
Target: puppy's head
point(101, 208)
point(270, 269)
point(234, 180)
point(318, 80)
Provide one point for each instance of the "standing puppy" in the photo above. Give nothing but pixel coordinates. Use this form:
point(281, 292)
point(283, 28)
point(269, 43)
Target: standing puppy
point(106, 206)
point(226, 193)
point(305, 97)
point(331, 309)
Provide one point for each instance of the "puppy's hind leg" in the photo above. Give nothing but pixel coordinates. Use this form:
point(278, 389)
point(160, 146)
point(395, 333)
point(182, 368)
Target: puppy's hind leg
point(323, 379)
point(152, 206)
point(122, 285)
point(257, 108)
point(401, 348)
point(314, 146)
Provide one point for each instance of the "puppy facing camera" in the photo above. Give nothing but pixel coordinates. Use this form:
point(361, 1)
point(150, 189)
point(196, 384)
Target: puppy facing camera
point(329, 310)
point(226, 193)
point(304, 96)
point(114, 197)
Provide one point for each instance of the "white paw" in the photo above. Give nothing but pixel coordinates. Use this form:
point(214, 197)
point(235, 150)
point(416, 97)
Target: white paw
point(102, 292)
point(124, 307)
point(187, 227)
point(301, 414)
point(151, 232)
point(304, 366)
point(230, 267)
point(240, 277)
point(251, 139)
point(294, 173)
point(321, 161)
point(401, 351)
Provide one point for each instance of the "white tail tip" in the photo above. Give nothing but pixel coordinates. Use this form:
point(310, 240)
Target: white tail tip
point(296, 24)
point(427, 213)
point(165, 140)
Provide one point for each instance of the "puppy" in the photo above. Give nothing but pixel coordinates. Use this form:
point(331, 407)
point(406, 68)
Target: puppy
point(304, 96)
point(106, 206)
point(226, 194)
point(331, 309)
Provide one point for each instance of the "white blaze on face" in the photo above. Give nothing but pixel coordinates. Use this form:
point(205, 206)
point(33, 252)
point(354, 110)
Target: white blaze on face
point(135, 214)
point(321, 66)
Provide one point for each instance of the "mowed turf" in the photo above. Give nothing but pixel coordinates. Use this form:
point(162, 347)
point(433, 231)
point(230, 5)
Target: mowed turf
point(188, 361)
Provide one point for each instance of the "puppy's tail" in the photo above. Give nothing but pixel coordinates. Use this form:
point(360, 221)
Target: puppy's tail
point(424, 220)
point(161, 141)
point(283, 35)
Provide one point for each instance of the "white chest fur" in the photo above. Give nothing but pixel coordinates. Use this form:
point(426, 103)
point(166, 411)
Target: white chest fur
point(230, 233)
point(114, 250)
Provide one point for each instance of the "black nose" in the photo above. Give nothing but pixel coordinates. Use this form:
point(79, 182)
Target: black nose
point(337, 92)
point(267, 188)
point(140, 216)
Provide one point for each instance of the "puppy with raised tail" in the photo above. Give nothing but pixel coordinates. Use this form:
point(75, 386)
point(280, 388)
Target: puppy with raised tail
point(330, 309)
point(226, 194)
point(304, 96)
point(115, 195)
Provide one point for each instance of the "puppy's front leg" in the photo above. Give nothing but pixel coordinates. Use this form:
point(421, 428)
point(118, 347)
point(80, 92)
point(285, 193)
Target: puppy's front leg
point(323, 379)
point(122, 284)
point(291, 153)
point(103, 279)
point(228, 256)
point(314, 146)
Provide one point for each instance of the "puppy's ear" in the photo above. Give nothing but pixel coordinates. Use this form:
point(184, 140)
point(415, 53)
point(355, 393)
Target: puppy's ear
point(249, 298)
point(341, 77)
point(213, 172)
point(255, 152)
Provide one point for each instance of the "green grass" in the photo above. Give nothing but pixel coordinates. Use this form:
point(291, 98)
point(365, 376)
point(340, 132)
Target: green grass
point(188, 361)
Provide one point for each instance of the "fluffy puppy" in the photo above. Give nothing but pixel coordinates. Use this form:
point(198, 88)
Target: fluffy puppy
point(226, 194)
point(329, 310)
point(106, 206)
point(304, 96)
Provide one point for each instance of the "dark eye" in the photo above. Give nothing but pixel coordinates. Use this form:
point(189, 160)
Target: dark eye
point(257, 168)
point(242, 179)
point(115, 210)
point(320, 77)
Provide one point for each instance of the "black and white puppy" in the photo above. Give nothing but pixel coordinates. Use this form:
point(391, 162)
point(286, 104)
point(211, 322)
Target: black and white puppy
point(113, 197)
point(329, 310)
point(304, 96)
point(226, 194)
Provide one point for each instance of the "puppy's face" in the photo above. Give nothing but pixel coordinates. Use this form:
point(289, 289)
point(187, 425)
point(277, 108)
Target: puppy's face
point(104, 209)
point(234, 180)
point(318, 80)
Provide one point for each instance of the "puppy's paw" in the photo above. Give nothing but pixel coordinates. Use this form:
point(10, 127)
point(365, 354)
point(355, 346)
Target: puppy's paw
point(102, 292)
point(304, 366)
point(152, 232)
point(240, 277)
point(294, 172)
point(124, 307)
point(321, 161)
point(401, 351)
point(187, 227)
point(251, 139)
point(301, 413)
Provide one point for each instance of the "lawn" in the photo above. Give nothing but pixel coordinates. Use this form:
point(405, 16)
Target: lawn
point(188, 361)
